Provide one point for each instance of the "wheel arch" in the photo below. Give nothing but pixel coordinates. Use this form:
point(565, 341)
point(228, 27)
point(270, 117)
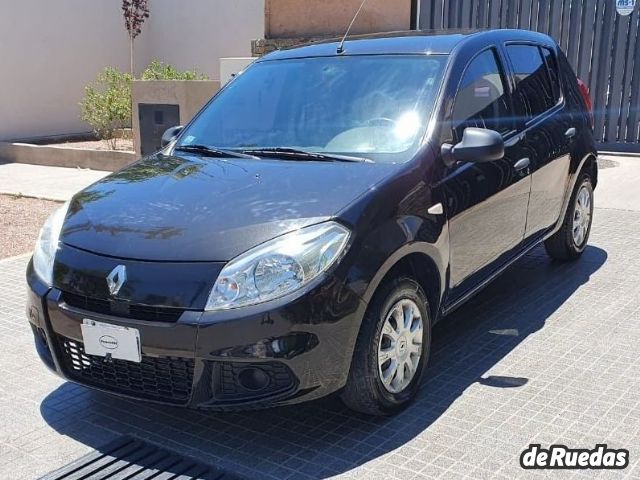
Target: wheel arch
point(587, 163)
point(591, 166)
point(419, 263)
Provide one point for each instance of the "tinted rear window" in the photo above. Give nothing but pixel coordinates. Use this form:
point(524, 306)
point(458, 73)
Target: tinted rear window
point(534, 88)
point(552, 66)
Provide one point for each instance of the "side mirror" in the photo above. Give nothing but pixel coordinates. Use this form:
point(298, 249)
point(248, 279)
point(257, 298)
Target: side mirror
point(477, 145)
point(170, 135)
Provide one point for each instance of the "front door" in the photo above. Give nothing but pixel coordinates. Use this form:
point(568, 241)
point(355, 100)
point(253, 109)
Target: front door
point(486, 203)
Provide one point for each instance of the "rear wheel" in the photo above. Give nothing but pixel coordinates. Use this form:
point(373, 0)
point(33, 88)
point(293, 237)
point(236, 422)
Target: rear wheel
point(391, 351)
point(569, 242)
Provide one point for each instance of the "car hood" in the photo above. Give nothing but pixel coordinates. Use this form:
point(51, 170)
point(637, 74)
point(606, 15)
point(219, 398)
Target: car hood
point(188, 208)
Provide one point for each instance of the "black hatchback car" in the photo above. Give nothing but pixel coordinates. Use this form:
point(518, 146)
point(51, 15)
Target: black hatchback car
point(305, 231)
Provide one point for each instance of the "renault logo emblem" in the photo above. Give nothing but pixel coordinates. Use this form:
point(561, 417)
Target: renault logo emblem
point(116, 279)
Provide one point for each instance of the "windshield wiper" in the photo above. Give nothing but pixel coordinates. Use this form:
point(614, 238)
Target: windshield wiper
point(299, 154)
point(213, 151)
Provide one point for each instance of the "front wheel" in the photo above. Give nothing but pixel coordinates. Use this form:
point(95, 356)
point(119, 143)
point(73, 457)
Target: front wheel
point(392, 350)
point(569, 242)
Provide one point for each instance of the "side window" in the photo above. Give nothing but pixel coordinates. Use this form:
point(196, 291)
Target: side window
point(552, 66)
point(533, 85)
point(481, 100)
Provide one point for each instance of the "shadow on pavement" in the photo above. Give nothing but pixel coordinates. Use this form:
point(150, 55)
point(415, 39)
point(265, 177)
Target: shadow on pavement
point(324, 438)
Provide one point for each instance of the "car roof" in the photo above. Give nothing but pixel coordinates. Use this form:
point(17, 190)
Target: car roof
point(406, 42)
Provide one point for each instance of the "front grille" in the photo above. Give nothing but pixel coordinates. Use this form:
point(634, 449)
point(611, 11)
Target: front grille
point(121, 309)
point(165, 379)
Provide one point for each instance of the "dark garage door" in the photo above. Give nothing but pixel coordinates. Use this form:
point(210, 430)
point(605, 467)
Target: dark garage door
point(602, 45)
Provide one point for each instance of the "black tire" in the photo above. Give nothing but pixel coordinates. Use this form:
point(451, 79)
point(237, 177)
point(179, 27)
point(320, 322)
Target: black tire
point(561, 245)
point(364, 391)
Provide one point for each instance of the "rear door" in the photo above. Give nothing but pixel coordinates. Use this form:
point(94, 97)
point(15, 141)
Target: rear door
point(486, 203)
point(548, 132)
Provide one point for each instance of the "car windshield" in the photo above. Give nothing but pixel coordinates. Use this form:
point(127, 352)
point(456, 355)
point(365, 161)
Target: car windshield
point(373, 106)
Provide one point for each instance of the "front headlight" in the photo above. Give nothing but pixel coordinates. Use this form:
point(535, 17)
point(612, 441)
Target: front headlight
point(278, 267)
point(47, 244)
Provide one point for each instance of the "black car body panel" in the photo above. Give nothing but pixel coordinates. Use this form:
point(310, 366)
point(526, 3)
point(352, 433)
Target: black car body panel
point(395, 43)
point(175, 220)
point(180, 285)
point(187, 209)
point(212, 345)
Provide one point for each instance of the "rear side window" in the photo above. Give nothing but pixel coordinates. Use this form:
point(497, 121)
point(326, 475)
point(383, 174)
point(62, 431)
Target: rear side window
point(481, 100)
point(552, 66)
point(536, 91)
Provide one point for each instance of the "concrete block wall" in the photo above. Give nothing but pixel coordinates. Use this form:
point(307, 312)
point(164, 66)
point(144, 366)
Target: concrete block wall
point(189, 95)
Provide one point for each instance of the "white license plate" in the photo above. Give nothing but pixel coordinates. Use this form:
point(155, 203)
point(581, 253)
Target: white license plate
point(106, 340)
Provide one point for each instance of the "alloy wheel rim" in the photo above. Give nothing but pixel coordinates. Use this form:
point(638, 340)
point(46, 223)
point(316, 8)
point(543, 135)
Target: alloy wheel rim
point(581, 216)
point(400, 346)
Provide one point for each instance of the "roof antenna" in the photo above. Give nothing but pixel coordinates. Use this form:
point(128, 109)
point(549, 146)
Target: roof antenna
point(340, 48)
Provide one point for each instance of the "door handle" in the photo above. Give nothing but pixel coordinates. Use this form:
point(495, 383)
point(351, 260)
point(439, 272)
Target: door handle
point(513, 140)
point(570, 133)
point(522, 164)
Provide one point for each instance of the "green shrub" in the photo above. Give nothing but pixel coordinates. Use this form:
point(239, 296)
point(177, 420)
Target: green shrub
point(106, 105)
point(158, 70)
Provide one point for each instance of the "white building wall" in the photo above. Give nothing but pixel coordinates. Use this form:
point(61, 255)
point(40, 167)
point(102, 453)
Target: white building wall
point(197, 33)
point(49, 51)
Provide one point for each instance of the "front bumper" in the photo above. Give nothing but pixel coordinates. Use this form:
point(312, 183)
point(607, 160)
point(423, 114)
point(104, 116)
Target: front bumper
point(288, 351)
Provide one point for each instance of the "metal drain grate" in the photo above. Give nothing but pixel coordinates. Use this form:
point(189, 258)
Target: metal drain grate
point(134, 459)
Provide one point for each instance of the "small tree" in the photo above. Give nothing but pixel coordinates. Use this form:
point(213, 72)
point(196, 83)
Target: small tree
point(135, 13)
point(106, 105)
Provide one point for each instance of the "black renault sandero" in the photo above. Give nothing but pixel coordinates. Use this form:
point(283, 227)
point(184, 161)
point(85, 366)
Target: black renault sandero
point(303, 233)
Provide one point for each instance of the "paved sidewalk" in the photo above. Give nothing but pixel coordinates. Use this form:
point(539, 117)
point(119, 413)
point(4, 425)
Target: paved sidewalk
point(548, 353)
point(621, 177)
point(52, 183)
